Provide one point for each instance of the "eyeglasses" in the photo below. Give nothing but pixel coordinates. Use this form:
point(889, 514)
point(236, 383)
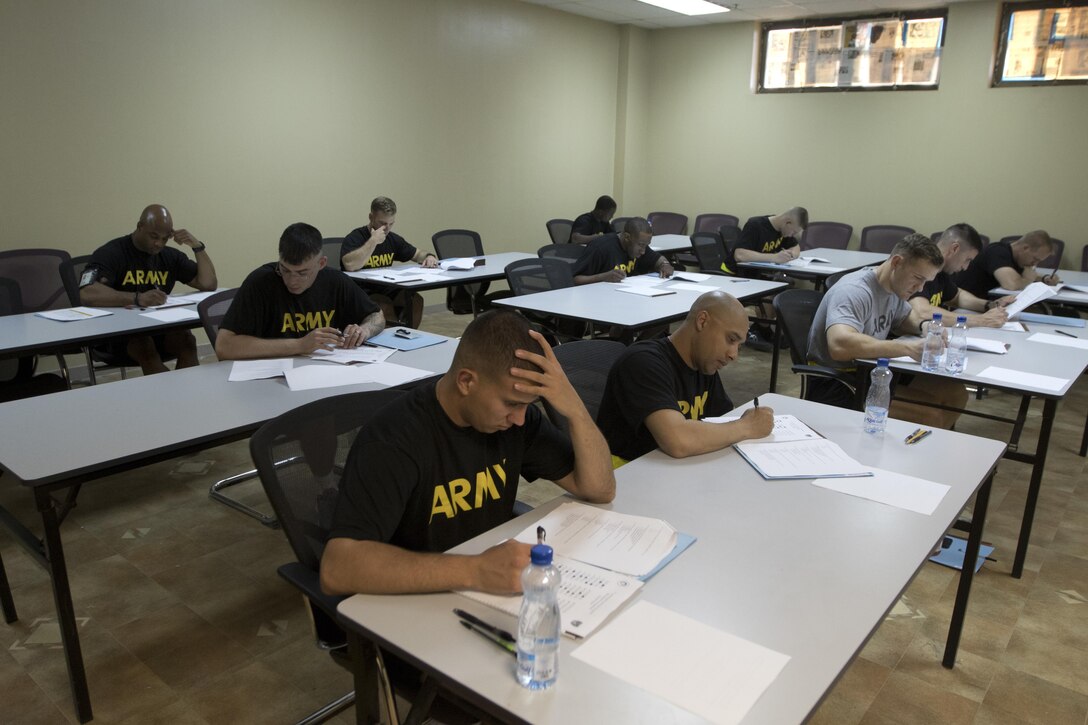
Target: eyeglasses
point(293, 273)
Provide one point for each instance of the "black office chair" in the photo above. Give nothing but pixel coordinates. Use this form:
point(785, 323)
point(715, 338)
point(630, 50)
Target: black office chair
point(709, 252)
point(462, 299)
point(40, 288)
point(712, 222)
point(567, 252)
point(586, 364)
point(795, 310)
point(559, 230)
point(528, 276)
point(882, 237)
point(826, 235)
point(668, 222)
point(299, 457)
point(831, 279)
point(330, 247)
point(212, 309)
point(17, 375)
point(619, 222)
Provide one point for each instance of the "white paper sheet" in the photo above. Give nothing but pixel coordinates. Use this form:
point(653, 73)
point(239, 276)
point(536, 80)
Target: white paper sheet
point(364, 354)
point(1014, 327)
point(982, 344)
point(1023, 379)
point(461, 263)
point(644, 291)
point(891, 488)
point(714, 674)
point(391, 374)
point(810, 260)
point(621, 542)
point(194, 297)
point(311, 377)
point(172, 314)
point(642, 280)
point(786, 428)
point(813, 458)
point(691, 276)
point(73, 314)
point(259, 369)
point(689, 287)
point(1062, 340)
point(1033, 293)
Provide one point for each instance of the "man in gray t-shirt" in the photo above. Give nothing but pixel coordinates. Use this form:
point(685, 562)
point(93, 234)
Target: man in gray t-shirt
point(855, 318)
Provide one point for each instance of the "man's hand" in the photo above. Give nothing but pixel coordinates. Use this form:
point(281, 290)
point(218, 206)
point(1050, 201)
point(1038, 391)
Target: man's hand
point(323, 338)
point(782, 256)
point(354, 336)
point(914, 349)
point(613, 275)
point(760, 422)
point(182, 236)
point(430, 262)
point(994, 317)
point(666, 270)
point(1052, 279)
point(499, 568)
point(377, 236)
point(151, 298)
point(550, 382)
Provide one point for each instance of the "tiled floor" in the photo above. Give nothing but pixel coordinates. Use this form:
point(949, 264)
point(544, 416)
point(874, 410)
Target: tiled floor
point(183, 619)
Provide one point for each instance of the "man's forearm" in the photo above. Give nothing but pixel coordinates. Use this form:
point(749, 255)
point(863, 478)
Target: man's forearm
point(373, 324)
point(99, 295)
point(232, 346)
point(371, 567)
point(593, 476)
point(206, 279)
point(356, 259)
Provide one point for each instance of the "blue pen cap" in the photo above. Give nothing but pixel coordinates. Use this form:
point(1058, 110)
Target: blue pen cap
point(541, 555)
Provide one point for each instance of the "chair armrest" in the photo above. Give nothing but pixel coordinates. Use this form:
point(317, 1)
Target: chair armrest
point(822, 371)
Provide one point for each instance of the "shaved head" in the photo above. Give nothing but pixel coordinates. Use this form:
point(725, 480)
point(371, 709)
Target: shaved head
point(154, 229)
point(712, 333)
point(155, 215)
point(718, 303)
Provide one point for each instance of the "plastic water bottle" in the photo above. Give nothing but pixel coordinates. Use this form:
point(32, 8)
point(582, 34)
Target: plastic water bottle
point(933, 351)
point(955, 357)
point(539, 622)
point(880, 395)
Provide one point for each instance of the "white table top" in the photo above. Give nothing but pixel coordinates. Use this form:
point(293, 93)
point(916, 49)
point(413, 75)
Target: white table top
point(667, 243)
point(799, 569)
point(53, 437)
point(603, 303)
point(837, 261)
point(494, 267)
point(1069, 297)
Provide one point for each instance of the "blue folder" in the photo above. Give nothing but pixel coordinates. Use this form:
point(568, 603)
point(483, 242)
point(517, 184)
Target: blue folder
point(389, 338)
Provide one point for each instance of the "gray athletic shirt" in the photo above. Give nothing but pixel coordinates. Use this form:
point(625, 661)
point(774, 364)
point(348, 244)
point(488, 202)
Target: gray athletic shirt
point(859, 301)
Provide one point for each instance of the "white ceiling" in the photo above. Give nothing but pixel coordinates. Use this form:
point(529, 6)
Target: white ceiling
point(633, 12)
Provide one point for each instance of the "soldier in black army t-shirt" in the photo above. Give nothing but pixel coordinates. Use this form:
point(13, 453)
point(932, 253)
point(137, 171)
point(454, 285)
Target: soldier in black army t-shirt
point(139, 270)
point(611, 257)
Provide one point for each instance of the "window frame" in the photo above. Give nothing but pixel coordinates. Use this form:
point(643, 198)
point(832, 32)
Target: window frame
point(1003, 26)
point(805, 23)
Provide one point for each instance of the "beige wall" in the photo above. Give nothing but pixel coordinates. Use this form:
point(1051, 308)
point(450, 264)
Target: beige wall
point(1006, 160)
point(245, 116)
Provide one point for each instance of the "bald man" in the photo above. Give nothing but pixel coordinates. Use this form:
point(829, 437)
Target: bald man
point(659, 391)
point(140, 270)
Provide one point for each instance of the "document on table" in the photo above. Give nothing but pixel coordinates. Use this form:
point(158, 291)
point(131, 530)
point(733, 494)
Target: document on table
point(644, 291)
point(192, 298)
point(1033, 293)
point(73, 313)
point(786, 428)
point(624, 543)
point(1020, 378)
point(816, 458)
point(689, 287)
point(1014, 327)
point(891, 488)
point(691, 276)
point(461, 263)
point(642, 280)
point(171, 314)
point(310, 377)
point(588, 595)
point(1062, 340)
point(259, 369)
point(714, 674)
point(363, 354)
point(982, 344)
point(806, 261)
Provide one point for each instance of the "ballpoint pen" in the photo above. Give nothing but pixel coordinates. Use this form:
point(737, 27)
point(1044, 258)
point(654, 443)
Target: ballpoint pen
point(917, 436)
point(1063, 332)
point(505, 644)
point(491, 629)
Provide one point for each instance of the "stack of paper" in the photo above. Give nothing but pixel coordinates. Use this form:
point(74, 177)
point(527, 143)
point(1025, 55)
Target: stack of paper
point(310, 377)
point(259, 369)
point(786, 428)
point(1062, 340)
point(691, 276)
point(982, 344)
point(645, 291)
point(810, 458)
point(1030, 295)
point(72, 314)
point(461, 263)
point(364, 354)
point(172, 313)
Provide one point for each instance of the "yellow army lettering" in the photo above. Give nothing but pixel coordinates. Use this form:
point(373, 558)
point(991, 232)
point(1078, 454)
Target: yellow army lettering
point(627, 268)
point(695, 408)
point(453, 497)
point(379, 260)
point(306, 321)
point(145, 276)
point(772, 246)
point(936, 299)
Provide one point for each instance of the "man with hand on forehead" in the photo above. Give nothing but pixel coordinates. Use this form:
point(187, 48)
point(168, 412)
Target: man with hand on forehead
point(297, 305)
point(140, 270)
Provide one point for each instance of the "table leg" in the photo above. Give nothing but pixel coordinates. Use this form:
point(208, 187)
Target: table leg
point(1050, 405)
point(774, 355)
point(967, 573)
point(1084, 439)
point(62, 599)
point(365, 672)
point(7, 602)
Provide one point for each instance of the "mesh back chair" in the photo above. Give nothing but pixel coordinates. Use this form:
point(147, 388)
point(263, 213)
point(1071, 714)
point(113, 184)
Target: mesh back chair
point(709, 251)
point(828, 235)
point(17, 378)
point(619, 222)
point(882, 237)
point(527, 276)
point(330, 247)
point(559, 230)
point(668, 222)
point(796, 309)
point(212, 309)
point(566, 252)
point(711, 222)
point(40, 287)
point(586, 364)
point(461, 299)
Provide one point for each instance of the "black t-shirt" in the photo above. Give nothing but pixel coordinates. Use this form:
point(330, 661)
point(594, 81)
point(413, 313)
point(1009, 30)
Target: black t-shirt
point(648, 377)
point(978, 278)
point(941, 291)
point(415, 480)
point(393, 249)
point(606, 252)
point(264, 308)
point(121, 265)
point(588, 225)
point(759, 235)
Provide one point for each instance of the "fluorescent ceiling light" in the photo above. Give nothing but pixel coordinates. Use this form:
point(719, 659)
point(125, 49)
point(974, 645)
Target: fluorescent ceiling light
point(688, 7)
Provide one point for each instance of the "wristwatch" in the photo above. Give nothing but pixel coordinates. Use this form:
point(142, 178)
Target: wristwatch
point(201, 248)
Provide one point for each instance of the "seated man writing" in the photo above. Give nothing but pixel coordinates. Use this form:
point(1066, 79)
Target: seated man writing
point(593, 224)
point(296, 306)
point(959, 244)
point(659, 390)
point(441, 465)
point(140, 270)
point(855, 318)
point(611, 257)
point(1010, 265)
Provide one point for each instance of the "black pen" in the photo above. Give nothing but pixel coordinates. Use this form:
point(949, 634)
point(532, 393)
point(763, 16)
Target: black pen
point(1063, 332)
point(501, 634)
point(756, 401)
point(508, 646)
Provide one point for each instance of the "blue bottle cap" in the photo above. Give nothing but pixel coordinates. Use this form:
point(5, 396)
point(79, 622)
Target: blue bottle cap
point(961, 318)
point(882, 362)
point(937, 316)
point(541, 555)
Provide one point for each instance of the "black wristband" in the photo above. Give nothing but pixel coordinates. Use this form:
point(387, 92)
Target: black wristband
point(201, 248)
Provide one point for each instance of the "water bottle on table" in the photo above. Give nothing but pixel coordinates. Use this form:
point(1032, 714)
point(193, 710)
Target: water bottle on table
point(955, 357)
point(539, 622)
point(878, 399)
point(933, 351)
